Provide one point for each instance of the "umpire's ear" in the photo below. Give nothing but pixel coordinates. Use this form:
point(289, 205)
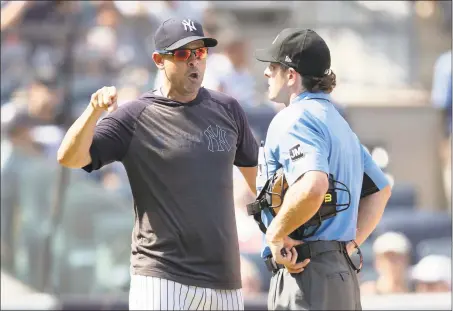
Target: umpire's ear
point(292, 77)
point(158, 60)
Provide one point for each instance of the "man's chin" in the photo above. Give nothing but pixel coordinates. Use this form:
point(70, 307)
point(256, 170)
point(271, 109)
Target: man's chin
point(275, 99)
point(190, 89)
point(271, 97)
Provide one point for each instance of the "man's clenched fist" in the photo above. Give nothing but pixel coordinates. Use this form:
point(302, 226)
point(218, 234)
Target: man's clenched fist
point(105, 99)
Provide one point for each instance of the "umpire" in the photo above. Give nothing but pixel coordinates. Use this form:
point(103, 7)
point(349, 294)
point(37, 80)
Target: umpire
point(314, 145)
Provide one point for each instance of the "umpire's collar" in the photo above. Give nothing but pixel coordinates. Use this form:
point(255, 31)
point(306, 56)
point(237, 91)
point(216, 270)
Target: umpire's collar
point(308, 95)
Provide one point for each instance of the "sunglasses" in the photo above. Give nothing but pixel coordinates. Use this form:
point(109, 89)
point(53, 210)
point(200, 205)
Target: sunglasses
point(184, 54)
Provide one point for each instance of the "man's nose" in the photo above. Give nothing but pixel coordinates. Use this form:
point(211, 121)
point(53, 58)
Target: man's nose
point(193, 60)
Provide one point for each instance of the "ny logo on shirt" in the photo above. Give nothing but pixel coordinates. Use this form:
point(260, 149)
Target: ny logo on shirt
point(217, 139)
point(188, 25)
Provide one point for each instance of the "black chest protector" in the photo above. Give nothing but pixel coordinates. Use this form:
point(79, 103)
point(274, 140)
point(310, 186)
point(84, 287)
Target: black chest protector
point(271, 198)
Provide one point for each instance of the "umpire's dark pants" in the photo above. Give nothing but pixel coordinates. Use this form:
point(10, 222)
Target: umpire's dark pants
point(328, 282)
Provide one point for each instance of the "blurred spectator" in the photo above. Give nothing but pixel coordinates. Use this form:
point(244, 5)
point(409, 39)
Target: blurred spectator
point(441, 88)
point(441, 98)
point(251, 279)
point(249, 234)
point(27, 182)
point(211, 22)
point(392, 259)
point(162, 10)
point(17, 127)
point(51, 11)
point(432, 274)
point(44, 103)
point(93, 237)
point(44, 46)
point(111, 181)
point(114, 179)
point(44, 100)
point(229, 69)
point(17, 140)
point(117, 42)
point(241, 190)
point(102, 38)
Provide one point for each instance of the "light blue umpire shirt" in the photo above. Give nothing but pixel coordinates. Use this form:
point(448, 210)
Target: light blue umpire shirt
point(310, 135)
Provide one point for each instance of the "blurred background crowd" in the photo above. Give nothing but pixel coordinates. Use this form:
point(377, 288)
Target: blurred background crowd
point(393, 65)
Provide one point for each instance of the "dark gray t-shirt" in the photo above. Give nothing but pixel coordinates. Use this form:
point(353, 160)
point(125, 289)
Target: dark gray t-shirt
point(179, 160)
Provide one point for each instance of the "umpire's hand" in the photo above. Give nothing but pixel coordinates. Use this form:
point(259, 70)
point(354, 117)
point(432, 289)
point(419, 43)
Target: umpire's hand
point(105, 99)
point(284, 253)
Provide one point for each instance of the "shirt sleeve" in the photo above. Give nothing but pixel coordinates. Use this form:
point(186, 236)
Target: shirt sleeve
point(247, 146)
point(374, 179)
point(303, 148)
point(113, 135)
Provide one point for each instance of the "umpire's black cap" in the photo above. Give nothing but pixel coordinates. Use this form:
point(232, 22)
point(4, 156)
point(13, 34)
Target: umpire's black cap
point(301, 49)
point(175, 33)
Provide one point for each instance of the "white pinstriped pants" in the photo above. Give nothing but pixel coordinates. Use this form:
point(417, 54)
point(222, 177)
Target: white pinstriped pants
point(152, 293)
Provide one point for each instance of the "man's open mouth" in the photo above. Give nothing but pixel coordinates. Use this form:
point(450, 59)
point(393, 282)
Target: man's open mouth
point(194, 75)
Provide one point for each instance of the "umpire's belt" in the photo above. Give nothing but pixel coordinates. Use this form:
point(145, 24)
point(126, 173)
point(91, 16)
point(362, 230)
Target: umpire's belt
point(306, 251)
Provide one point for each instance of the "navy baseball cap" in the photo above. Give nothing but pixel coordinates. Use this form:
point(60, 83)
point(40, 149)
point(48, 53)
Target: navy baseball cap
point(175, 33)
point(301, 49)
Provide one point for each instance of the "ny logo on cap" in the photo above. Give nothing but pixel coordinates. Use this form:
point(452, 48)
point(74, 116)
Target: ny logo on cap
point(188, 25)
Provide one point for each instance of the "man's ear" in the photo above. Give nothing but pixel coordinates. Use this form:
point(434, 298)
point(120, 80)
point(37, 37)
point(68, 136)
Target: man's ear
point(292, 76)
point(158, 60)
